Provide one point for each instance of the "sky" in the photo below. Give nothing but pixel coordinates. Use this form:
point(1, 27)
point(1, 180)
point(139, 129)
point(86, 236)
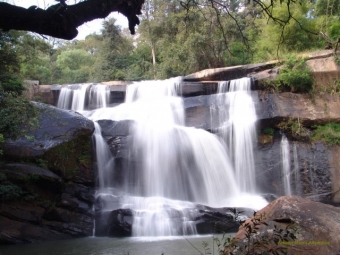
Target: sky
point(84, 30)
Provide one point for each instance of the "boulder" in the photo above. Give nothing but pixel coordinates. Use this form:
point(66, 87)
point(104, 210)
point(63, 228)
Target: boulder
point(316, 228)
point(54, 127)
point(116, 223)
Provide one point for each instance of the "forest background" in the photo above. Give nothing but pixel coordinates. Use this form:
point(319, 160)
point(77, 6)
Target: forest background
point(173, 39)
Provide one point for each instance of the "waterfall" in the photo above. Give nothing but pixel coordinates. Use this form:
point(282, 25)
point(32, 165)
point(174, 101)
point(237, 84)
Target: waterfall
point(237, 117)
point(285, 154)
point(178, 167)
point(76, 97)
point(104, 159)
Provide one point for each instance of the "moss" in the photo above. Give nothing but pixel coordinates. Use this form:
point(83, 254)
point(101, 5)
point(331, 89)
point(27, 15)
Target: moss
point(65, 159)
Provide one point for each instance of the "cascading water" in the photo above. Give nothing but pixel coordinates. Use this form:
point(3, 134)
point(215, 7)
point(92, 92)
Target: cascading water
point(285, 153)
point(180, 166)
point(75, 97)
point(237, 117)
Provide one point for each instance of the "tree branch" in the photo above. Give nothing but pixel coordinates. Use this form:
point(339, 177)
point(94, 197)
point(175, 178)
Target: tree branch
point(62, 22)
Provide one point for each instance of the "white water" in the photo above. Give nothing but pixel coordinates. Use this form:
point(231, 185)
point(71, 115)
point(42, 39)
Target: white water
point(237, 118)
point(285, 155)
point(104, 159)
point(74, 96)
point(179, 166)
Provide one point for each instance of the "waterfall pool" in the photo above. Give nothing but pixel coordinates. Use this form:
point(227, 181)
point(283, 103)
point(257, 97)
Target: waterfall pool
point(189, 245)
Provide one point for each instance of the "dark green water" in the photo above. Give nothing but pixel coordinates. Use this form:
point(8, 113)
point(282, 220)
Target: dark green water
point(115, 246)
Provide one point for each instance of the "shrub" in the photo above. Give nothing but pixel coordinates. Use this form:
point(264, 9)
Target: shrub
point(296, 75)
point(11, 83)
point(16, 112)
point(328, 133)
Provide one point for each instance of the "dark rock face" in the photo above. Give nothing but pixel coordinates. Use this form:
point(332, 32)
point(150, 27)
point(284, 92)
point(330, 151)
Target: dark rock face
point(39, 205)
point(318, 225)
point(117, 223)
point(51, 195)
point(55, 126)
point(45, 207)
point(310, 175)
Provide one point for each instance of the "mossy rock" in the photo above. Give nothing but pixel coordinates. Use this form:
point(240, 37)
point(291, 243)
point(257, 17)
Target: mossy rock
point(71, 160)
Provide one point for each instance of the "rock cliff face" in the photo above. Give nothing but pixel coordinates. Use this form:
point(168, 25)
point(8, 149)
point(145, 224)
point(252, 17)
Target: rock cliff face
point(47, 180)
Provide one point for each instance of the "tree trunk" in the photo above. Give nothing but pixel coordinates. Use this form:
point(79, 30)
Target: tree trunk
point(61, 21)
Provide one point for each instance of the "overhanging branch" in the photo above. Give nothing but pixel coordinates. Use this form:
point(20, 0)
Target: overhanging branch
point(62, 22)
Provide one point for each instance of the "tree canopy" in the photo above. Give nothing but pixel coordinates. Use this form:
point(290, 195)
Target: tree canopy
point(174, 38)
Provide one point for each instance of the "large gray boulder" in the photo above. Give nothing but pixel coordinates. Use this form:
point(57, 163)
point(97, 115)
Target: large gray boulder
point(54, 127)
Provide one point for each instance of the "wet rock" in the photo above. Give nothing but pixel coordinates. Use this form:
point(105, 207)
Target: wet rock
point(219, 220)
point(117, 223)
point(317, 223)
point(81, 192)
point(310, 175)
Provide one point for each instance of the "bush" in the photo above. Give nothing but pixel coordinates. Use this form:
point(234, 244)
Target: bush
point(11, 83)
point(296, 75)
point(16, 113)
point(329, 133)
point(268, 131)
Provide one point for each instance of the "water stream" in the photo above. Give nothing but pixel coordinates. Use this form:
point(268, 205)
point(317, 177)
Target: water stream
point(286, 168)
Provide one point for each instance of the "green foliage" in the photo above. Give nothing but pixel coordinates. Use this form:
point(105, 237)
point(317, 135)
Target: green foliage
point(287, 34)
point(17, 114)
point(327, 7)
point(328, 133)
point(74, 59)
point(334, 30)
point(175, 41)
point(11, 83)
point(8, 190)
point(296, 74)
point(295, 129)
point(268, 131)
